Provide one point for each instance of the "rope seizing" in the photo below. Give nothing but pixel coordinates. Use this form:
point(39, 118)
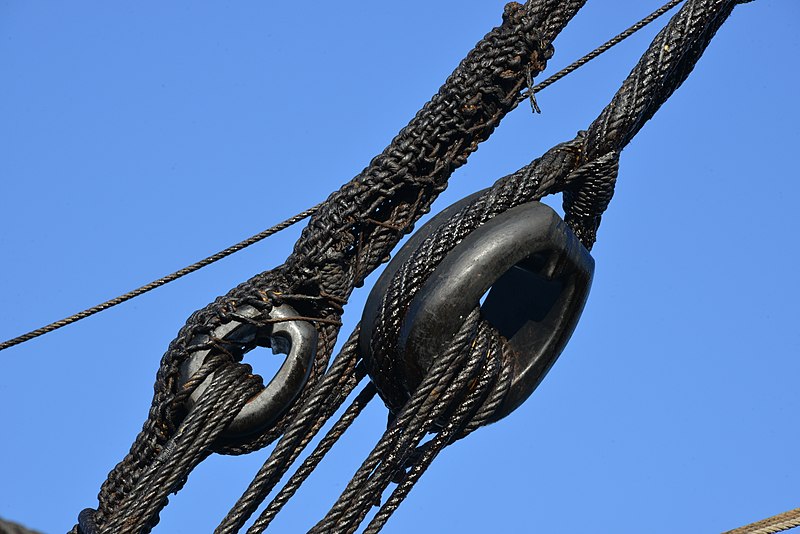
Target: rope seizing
point(347, 238)
point(309, 212)
point(467, 383)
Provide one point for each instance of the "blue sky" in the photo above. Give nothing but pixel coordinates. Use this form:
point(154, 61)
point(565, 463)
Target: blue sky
point(137, 138)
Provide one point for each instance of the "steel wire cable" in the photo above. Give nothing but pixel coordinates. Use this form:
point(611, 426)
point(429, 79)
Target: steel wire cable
point(180, 273)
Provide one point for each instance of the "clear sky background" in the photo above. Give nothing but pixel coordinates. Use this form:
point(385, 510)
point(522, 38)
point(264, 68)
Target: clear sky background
point(139, 137)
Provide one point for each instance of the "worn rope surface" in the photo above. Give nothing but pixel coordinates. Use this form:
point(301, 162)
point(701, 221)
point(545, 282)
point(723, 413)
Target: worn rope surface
point(605, 47)
point(347, 238)
point(352, 233)
point(307, 213)
point(585, 169)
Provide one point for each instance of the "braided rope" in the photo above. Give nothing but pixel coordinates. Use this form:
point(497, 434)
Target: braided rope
point(585, 169)
point(307, 213)
point(356, 227)
point(350, 235)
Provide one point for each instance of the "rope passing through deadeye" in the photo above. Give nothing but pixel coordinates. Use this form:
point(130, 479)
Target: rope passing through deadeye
point(469, 379)
point(348, 238)
point(180, 273)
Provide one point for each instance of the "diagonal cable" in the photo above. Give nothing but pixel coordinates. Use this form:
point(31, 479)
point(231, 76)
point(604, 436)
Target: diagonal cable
point(309, 212)
point(160, 282)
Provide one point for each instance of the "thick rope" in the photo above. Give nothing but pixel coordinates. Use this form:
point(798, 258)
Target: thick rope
point(771, 525)
point(351, 234)
point(320, 406)
point(313, 459)
point(450, 383)
point(309, 212)
point(585, 168)
point(605, 47)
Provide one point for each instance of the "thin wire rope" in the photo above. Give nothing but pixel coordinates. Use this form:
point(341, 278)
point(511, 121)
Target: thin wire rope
point(307, 213)
point(161, 281)
point(575, 65)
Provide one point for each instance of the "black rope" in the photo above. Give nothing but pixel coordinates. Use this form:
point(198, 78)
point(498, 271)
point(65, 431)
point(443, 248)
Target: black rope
point(313, 459)
point(608, 45)
point(353, 231)
point(311, 211)
point(585, 169)
point(137, 511)
point(485, 85)
point(459, 382)
point(349, 236)
point(337, 384)
point(160, 282)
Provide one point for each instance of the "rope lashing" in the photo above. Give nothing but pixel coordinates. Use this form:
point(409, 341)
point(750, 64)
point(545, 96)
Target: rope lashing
point(351, 234)
point(587, 166)
point(533, 89)
point(10, 527)
point(468, 382)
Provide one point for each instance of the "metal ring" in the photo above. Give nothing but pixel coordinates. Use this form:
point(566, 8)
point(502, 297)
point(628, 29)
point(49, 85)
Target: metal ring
point(537, 275)
point(296, 339)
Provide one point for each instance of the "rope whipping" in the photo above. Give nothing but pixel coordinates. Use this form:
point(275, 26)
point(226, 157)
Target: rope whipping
point(307, 213)
point(348, 237)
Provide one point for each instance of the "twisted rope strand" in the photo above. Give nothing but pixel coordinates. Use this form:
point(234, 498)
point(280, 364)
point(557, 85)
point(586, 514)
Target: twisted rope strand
point(605, 47)
point(351, 234)
point(313, 460)
point(180, 273)
point(310, 211)
point(771, 525)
